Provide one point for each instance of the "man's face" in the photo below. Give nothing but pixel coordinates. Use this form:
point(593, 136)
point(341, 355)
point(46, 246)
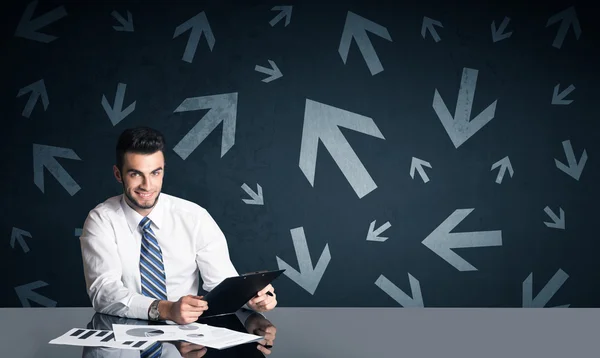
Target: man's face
point(142, 177)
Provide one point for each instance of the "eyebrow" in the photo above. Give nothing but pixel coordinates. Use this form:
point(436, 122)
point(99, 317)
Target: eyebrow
point(137, 171)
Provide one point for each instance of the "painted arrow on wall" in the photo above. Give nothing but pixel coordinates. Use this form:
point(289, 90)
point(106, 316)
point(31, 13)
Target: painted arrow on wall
point(45, 156)
point(573, 169)
point(28, 27)
point(116, 114)
point(398, 295)
point(284, 11)
point(544, 296)
point(26, 293)
point(198, 24)
point(38, 90)
point(127, 25)
point(18, 235)
point(567, 18)
point(257, 198)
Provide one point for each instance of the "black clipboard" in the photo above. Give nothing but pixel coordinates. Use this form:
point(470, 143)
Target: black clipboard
point(233, 292)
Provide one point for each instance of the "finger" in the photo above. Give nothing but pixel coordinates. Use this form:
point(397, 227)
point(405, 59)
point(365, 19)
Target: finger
point(263, 349)
point(267, 288)
point(196, 301)
point(258, 299)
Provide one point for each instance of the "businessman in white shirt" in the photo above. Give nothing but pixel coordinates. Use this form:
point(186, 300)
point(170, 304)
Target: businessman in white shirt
point(142, 251)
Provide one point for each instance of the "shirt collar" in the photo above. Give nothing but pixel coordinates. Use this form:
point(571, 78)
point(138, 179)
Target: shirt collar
point(133, 218)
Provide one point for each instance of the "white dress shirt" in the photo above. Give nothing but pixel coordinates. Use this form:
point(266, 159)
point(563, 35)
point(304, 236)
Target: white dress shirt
point(190, 240)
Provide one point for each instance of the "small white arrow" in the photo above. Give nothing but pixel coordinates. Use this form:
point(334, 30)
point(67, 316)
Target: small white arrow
point(398, 295)
point(44, 156)
point(78, 232)
point(568, 17)
point(116, 114)
point(373, 235)
point(127, 24)
point(26, 294)
point(442, 241)
point(504, 164)
point(558, 98)
point(284, 11)
point(257, 198)
point(27, 27)
point(17, 235)
point(558, 223)
point(418, 164)
point(574, 169)
point(273, 72)
point(544, 296)
point(37, 89)
point(498, 35)
point(308, 278)
point(356, 28)
point(199, 24)
point(428, 25)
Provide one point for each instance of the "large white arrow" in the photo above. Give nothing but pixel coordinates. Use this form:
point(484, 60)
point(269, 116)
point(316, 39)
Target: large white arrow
point(28, 27)
point(198, 24)
point(356, 27)
point(461, 127)
point(441, 241)
point(37, 89)
point(398, 295)
point(17, 235)
point(44, 156)
point(116, 114)
point(573, 169)
point(544, 296)
point(567, 18)
point(223, 108)
point(321, 122)
point(26, 294)
point(308, 278)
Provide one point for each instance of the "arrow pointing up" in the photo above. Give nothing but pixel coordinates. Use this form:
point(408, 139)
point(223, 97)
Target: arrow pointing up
point(568, 17)
point(398, 295)
point(17, 235)
point(127, 24)
point(44, 156)
point(544, 296)
point(504, 164)
point(223, 108)
point(574, 169)
point(26, 294)
point(428, 25)
point(498, 35)
point(27, 27)
point(37, 89)
point(356, 27)
point(117, 114)
point(308, 278)
point(284, 11)
point(198, 24)
point(461, 127)
point(257, 198)
point(418, 164)
point(321, 122)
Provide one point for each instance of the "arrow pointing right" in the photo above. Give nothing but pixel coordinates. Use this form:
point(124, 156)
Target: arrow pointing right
point(27, 27)
point(544, 296)
point(117, 114)
point(574, 169)
point(308, 278)
point(398, 295)
point(26, 294)
point(285, 11)
point(198, 24)
point(558, 223)
point(273, 72)
point(17, 235)
point(44, 156)
point(257, 198)
point(37, 89)
point(127, 24)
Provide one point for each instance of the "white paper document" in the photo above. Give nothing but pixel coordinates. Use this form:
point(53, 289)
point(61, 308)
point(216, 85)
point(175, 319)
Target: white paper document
point(99, 338)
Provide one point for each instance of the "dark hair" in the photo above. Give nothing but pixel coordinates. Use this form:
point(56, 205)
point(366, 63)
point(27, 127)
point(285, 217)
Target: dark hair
point(140, 140)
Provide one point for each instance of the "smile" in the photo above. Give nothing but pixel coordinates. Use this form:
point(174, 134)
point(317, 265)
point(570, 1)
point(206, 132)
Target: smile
point(145, 195)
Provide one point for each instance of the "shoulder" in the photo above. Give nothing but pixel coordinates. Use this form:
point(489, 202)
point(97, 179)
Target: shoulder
point(182, 206)
point(106, 210)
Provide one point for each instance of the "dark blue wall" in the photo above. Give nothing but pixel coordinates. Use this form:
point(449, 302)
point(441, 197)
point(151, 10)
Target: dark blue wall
point(511, 258)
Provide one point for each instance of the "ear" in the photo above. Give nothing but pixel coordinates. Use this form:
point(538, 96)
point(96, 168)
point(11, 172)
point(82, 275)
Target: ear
point(117, 174)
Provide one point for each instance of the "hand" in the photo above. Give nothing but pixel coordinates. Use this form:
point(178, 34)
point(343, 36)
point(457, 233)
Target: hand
point(259, 325)
point(186, 310)
point(190, 350)
point(263, 302)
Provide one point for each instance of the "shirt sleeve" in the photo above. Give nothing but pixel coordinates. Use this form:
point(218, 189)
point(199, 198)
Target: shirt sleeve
point(102, 271)
point(212, 255)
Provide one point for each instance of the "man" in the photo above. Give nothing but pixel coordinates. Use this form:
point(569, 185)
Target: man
point(142, 251)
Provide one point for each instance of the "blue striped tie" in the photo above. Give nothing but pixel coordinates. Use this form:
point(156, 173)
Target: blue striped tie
point(152, 274)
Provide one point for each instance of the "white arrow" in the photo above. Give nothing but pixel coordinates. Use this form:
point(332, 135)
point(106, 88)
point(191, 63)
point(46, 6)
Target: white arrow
point(558, 98)
point(461, 127)
point(321, 122)
point(223, 108)
point(498, 35)
point(504, 164)
point(28, 27)
point(418, 164)
point(441, 241)
point(17, 235)
point(544, 296)
point(127, 24)
point(26, 294)
point(568, 17)
point(308, 278)
point(428, 25)
point(116, 114)
point(37, 89)
point(558, 223)
point(257, 198)
point(273, 72)
point(44, 156)
point(284, 11)
point(356, 27)
point(398, 295)
point(373, 235)
point(198, 24)
point(574, 169)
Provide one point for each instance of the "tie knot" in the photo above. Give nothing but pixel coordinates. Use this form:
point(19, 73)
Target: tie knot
point(145, 223)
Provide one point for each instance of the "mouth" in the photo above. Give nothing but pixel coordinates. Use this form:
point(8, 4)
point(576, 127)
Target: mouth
point(144, 195)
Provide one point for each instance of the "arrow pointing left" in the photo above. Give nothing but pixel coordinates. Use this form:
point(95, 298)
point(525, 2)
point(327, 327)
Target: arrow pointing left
point(199, 24)
point(26, 294)
point(428, 25)
point(117, 114)
point(17, 235)
point(37, 89)
point(44, 156)
point(28, 27)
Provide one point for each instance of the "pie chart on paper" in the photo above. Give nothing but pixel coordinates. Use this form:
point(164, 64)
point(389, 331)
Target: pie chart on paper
point(145, 332)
